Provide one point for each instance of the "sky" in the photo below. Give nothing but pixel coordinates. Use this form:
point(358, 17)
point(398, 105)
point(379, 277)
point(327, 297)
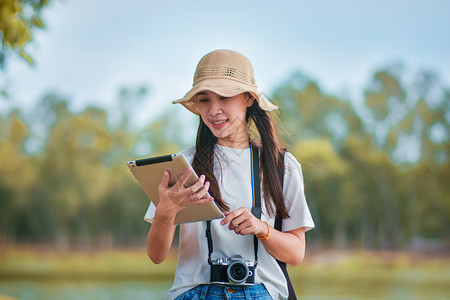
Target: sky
point(90, 49)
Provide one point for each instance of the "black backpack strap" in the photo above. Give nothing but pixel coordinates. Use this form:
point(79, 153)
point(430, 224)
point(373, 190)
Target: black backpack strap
point(256, 208)
point(278, 226)
point(209, 238)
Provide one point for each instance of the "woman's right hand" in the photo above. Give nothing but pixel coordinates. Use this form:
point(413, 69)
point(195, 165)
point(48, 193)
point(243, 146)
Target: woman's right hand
point(175, 198)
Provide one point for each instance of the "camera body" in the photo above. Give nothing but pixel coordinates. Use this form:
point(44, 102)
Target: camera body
point(232, 270)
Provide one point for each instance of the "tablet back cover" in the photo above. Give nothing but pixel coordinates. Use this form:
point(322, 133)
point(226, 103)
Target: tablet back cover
point(149, 172)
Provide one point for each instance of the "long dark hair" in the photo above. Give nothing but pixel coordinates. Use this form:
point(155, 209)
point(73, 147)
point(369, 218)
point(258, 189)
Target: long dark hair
point(266, 139)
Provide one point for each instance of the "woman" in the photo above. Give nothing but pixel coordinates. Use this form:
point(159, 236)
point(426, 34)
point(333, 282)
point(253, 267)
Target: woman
point(225, 97)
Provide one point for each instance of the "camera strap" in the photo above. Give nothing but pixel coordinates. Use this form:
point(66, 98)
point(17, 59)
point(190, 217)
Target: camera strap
point(256, 203)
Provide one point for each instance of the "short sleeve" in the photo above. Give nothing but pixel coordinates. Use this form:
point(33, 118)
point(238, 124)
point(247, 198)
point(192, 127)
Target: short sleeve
point(150, 214)
point(294, 195)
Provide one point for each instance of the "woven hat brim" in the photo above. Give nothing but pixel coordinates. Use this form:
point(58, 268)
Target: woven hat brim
point(224, 88)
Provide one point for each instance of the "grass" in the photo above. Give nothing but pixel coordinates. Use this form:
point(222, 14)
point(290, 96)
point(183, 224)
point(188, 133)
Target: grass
point(373, 275)
point(365, 275)
point(19, 262)
point(120, 264)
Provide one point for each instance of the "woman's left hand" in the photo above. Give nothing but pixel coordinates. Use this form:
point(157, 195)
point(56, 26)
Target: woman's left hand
point(243, 222)
point(288, 246)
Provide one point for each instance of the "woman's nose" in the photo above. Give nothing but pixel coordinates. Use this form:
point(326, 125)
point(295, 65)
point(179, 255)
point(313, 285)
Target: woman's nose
point(215, 108)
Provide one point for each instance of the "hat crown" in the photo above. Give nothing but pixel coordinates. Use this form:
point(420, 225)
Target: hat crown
point(225, 64)
point(226, 73)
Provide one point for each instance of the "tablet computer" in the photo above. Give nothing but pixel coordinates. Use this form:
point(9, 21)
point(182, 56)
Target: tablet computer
point(149, 172)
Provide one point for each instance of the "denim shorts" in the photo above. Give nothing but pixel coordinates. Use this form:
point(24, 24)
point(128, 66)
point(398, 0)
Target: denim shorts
point(220, 292)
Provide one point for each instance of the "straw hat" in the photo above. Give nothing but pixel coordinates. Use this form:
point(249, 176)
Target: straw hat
point(226, 73)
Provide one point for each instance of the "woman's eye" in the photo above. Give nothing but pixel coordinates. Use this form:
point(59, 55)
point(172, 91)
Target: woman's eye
point(203, 100)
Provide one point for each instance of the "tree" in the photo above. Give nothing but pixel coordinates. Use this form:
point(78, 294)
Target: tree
point(307, 112)
point(17, 175)
point(408, 121)
point(18, 19)
point(324, 174)
point(360, 182)
point(64, 180)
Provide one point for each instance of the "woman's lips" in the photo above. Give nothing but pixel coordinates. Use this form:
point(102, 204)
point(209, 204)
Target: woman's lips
point(217, 124)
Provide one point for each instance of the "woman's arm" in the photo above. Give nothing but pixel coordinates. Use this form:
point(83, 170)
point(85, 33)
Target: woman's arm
point(159, 238)
point(171, 201)
point(286, 246)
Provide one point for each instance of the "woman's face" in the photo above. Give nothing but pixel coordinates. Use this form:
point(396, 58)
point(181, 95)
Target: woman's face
point(225, 117)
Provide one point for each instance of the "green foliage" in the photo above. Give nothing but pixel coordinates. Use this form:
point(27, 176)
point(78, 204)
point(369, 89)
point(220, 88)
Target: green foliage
point(361, 186)
point(18, 18)
point(307, 113)
point(376, 177)
point(75, 188)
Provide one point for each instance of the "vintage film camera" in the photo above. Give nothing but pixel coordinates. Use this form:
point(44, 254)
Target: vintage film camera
point(232, 270)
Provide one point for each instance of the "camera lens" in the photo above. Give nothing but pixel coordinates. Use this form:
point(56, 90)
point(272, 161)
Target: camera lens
point(237, 272)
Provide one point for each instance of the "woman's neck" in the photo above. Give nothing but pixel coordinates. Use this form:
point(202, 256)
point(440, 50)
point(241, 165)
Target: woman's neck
point(242, 143)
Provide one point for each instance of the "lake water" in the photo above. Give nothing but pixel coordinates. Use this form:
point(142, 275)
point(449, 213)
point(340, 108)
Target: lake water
point(58, 290)
point(307, 289)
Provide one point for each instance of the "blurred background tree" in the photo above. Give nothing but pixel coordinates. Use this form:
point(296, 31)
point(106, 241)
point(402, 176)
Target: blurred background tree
point(375, 177)
point(18, 19)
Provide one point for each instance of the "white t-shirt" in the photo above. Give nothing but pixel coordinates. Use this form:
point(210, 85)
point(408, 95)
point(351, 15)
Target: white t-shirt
point(232, 168)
